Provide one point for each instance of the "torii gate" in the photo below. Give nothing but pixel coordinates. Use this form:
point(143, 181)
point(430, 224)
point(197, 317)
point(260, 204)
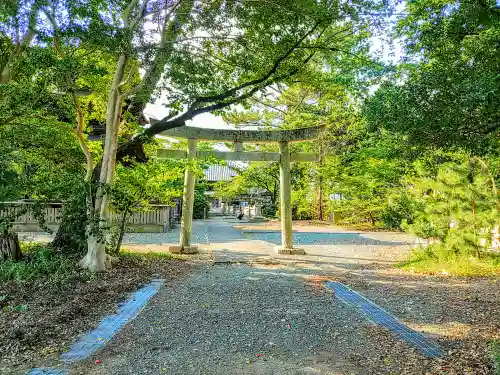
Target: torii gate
point(238, 137)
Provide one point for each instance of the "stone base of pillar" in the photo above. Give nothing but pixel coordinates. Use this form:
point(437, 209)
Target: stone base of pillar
point(286, 251)
point(177, 249)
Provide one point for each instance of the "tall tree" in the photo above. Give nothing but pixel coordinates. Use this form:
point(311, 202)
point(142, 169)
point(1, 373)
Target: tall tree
point(446, 92)
point(249, 46)
point(197, 57)
point(319, 99)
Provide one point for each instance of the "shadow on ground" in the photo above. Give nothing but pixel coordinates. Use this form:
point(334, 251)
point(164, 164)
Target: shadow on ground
point(315, 238)
point(274, 319)
point(461, 314)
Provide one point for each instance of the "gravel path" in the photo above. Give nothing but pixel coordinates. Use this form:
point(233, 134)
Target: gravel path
point(329, 249)
point(227, 229)
point(239, 320)
point(276, 318)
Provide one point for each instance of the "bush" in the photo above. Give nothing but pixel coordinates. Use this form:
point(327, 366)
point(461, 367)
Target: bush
point(269, 210)
point(400, 208)
point(201, 203)
point(494, 349)
point(71, 235)
point(436, 259)
point(304, 205)
point(458, 208)
point(39, 261)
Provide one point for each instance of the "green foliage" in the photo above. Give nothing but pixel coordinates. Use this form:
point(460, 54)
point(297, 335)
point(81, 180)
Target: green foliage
point(269, 210)
point(228, 192)
point(458, 207)
point(139, 185)
point(399, 208)
point(494, 349)
point(57, 60)
point(254, 179)
point(429, 261)
point(38, 159)
point(445, 95)
point(265, 31)
point(39, 261)
point(397, 157)
point(71, 236)
point(201, 204)
point(369, 178)
point(10, 214)
point(319, 100)
point(303, 199)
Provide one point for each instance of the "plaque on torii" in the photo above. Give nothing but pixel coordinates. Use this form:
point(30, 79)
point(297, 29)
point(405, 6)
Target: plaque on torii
point(238, 137)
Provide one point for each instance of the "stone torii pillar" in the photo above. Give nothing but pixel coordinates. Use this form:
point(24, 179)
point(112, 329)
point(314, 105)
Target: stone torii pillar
point(188, 201)
point(286, 202)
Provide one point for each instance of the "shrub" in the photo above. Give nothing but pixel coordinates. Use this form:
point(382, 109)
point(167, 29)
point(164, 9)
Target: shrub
point(494, 349)
point(269, 210)
point(400, 208)
point(39, 261)
point(201, 203)
point(458, 208)
point(436, 259)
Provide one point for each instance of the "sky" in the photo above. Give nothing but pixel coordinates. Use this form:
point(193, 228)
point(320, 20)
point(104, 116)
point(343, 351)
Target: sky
point(205, 120)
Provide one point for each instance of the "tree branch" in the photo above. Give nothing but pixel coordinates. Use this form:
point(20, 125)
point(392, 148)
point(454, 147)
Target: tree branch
point(81, 139)
point(140, 14)
point(160, 9)
point(269, 105)
point(126, 81)
point(161, 46)
point(264, 78)
point(6, 73)
point(193, 110)
point(133, 147)
point(128, 12)
point(201, 49)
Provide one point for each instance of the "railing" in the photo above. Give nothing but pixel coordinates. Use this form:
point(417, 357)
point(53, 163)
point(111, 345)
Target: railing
point(158, 215)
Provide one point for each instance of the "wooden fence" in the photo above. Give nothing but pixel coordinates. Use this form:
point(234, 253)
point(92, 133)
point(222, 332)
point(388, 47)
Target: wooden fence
point(158, 215)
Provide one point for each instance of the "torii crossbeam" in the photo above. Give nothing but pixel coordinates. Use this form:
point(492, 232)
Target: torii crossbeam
point(283, 137)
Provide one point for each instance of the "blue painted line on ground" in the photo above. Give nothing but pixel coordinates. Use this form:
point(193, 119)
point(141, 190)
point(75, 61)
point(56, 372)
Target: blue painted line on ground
point(46, 371)
point(110, 325)
point(381, 317)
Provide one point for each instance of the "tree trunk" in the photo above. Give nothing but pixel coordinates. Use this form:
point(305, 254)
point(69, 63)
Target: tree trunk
point(96, 258)
point(320, 186)
point(70, 235)
point(122, 231)
point(5, 75)
point(274, 193)
point(372, 219)
point(320, 198)
point(9, 247)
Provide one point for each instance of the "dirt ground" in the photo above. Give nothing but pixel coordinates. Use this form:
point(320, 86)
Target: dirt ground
point(40, 320)
point(461, 314)
point(215, 321)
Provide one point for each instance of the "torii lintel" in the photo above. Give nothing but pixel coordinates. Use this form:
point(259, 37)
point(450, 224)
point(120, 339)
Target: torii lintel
point(237, 135)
